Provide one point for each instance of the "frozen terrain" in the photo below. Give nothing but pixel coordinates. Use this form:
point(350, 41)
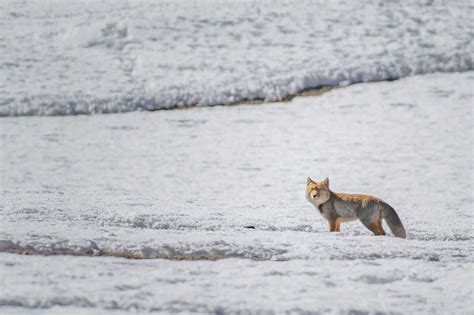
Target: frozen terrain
point(174, 190)
point(65, 57)
point(183, 184)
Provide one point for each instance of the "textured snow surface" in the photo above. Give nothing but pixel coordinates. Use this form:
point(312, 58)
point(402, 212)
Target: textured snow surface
point(336, 286)
point(65, 57)
point(183, 184)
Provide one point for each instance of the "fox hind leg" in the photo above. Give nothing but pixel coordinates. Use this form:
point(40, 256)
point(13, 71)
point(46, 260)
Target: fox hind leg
point(376, 228)
point(373, 222)
point(379, 228)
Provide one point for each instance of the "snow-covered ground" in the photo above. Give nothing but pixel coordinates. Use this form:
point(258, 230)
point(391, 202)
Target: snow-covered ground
point(67, 57)
point(183, 184)
point(175, 189)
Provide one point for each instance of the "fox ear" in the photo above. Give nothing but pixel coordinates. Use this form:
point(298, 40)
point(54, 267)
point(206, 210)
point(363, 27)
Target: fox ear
point(309, 180)
point(326, 181)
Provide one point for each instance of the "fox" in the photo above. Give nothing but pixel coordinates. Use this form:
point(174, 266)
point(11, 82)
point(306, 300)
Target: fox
point(341, 207)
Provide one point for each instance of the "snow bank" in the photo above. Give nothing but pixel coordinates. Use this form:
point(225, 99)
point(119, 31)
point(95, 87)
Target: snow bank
point(65, 58)
point(256, 246)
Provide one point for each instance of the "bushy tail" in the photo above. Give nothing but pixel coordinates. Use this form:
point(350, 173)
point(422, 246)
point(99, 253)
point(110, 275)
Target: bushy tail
point(393, 221)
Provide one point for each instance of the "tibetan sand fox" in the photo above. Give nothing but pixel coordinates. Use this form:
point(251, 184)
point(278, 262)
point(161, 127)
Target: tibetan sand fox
point(339, 207)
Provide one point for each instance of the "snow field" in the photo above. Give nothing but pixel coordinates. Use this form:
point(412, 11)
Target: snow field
point(183, 184)
point(66, 58)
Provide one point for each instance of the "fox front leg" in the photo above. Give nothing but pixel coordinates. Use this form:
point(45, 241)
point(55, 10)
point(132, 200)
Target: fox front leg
point(334, 225)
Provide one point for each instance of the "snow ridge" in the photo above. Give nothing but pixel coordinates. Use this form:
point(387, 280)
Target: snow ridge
point(116, 57)
point(252, 245)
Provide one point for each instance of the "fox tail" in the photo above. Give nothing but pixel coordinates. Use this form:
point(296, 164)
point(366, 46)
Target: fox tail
point(393, 221)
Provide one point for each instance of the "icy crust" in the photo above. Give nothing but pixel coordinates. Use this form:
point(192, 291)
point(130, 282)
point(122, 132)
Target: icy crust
point(65, 58)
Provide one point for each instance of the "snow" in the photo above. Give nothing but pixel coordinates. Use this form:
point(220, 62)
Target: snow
point(226, 286)
point(182, 185)
point(65, 58)
point(146, 211)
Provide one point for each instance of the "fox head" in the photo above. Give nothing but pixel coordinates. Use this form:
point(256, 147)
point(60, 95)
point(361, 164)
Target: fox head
point(317, 192)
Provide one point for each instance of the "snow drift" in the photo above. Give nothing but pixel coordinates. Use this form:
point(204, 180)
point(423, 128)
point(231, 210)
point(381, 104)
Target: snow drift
point(65, 58)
